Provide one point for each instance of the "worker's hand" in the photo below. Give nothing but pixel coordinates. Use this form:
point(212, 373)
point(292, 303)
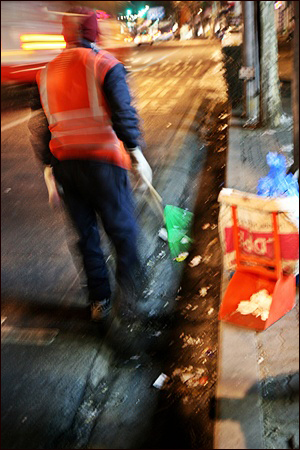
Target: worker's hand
point(54, 198)
point(140, 168)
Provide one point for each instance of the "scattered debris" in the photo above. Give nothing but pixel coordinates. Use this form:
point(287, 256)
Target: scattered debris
point(189, 340)
point(209, 352)
point(189, 306)
point(163, 234)
point(6, 191)
point(223, 116)
point(195, 307)
point(135, 357)
point(182, 256)
point(195, 261)
point(24, 419)
point(203, 381)
point(287, 148)
point(285, 119)
point(189, 376)
point(203, 291)
point(156, 333)
point(3, 319)
point(214, 241)
point(269, 132)
point(185, 240)
point(161, 254)
point(210, 311)
point(207, 225)
point(169, 124)
point(261, 359)
point(259, 305)
point(221, 149)
point(213, 226)
point(207, 258)
point(147, 292)
point(179, 297)
point(223, 127)
point(166, 304)
point(161, 380)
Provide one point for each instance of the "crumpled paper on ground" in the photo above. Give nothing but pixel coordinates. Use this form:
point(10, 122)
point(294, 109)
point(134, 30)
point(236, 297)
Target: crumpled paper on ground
point(258, 305)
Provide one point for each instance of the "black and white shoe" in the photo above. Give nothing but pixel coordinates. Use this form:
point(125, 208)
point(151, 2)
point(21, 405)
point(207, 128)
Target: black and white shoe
point(100, 309)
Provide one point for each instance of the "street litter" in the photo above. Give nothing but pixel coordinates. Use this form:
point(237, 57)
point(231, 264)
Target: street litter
point(195, 261)
point(223, 116)
point(169, 124)
point(261, 359)
point(3, 319)
point(259, 305)
point(210, 311)
point(156, 334)
point(161, 380)
point(287, 148)
point(207, 225)
point(221, 149)
point(213, 226)
point(185, 240)
point(203, 291)
point(195, 307)
point(181, 257)
point(189, 340)
point(190, 376)
point(163, 234)
point(269, 132)
point(222, 127)
point(203, 381)
point(161, 254)
point(6, 191)
point(277, 183)
point(135, 357)
point(207, 258)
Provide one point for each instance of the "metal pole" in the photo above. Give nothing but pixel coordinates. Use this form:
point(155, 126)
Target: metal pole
point(295, 90)
point(251, 60)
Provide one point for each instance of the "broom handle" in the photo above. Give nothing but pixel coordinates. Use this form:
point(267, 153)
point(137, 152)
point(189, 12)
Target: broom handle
point(152, 190)
point(156, 196)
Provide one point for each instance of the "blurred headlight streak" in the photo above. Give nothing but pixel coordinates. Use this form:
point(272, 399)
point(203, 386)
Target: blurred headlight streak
point(42, 41)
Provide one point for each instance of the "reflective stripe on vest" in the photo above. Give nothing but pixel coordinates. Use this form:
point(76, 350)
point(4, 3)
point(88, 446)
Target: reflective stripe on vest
point(78, 115)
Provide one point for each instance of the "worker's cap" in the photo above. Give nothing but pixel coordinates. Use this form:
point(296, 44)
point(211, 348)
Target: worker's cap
point(86, 21)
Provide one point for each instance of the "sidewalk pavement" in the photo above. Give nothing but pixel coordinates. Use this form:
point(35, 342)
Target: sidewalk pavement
point(258, 372)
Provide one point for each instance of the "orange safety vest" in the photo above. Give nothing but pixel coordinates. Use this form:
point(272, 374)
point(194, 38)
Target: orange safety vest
point(78, 114)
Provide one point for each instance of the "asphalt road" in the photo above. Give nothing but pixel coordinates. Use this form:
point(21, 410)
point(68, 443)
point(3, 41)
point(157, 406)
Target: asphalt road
point(65, 384)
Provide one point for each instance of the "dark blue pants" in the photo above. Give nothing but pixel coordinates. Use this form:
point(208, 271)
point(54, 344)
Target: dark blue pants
point(92, 188)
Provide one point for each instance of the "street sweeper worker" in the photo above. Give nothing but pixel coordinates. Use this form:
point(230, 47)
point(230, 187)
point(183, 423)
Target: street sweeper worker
point(87, 137)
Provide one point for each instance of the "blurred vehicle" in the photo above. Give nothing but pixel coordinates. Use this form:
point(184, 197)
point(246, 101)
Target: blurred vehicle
point(232, 36)
point(115, 38)
point(31, 37)
point(166, 36)
point(143, 38)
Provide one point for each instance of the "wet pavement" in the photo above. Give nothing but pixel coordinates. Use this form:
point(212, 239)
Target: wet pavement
point(68, 383)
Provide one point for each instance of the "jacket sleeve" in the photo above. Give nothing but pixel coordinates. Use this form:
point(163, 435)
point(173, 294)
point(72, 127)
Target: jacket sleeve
point(39, 130)
point(124, 117)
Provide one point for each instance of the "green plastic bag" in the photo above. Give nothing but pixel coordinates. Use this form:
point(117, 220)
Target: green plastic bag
point(178, 223)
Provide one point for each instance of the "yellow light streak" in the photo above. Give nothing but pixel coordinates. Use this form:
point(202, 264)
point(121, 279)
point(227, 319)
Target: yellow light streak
point(43, 46)
point(41, 37)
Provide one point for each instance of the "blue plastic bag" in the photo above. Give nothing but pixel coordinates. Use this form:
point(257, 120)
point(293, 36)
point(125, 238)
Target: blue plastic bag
point(277, 183)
